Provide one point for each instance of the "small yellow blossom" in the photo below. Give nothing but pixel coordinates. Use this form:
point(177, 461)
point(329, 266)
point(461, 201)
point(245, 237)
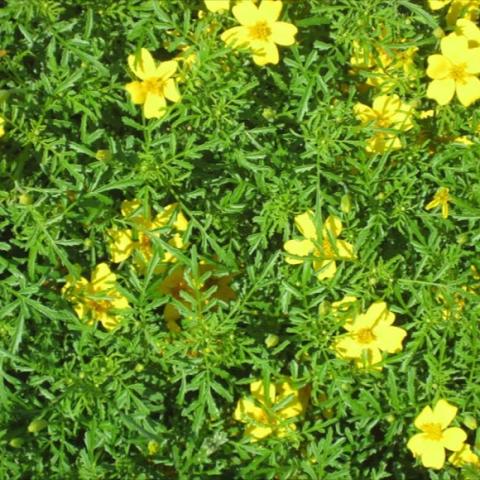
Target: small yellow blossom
point(175, 283)
point(454, 71)
point(260, 30)
point(2, 126)
point(138, 241)
point(97, 299)
point(268, 414)
point(441, 198)
point(388, 112)
point(464, 456)
point(430, 445)
point(458, 9)
point(324, 249)
point(156, 85)
point(369, 334)
point(217, 5)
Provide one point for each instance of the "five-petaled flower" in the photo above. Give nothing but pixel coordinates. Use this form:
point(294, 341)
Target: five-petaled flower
point(454, 71)
point(97, 299)
point(138, 240)
point(440, 199)
point(156, 85)
point(389, 115)
point(269, 414)
point(430, 445)
point(369, 334)
point(464, 456)
point(260, 31)
point(324, 246)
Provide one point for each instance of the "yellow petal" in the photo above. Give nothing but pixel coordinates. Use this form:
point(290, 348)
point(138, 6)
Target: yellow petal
point(258, 391)
point(465, 455)
point(386, 105)
point(468, 29)
point(306, 225)
point(264, 52)
point(166, 69)
point(332, 227)
point(325, 269)
point(438, 4)
point(424, 418)
point(121, 245)
point(374, 315)
point(299, 248)
point(453, 47)
point(453, 438)
point(171, 90)
point(143, 65)
point(102, 278)
point(343, 250)
point(444, 413)
point(283, 33)
point(217, 5)
point(236, 37)
point(431, 453)
point(246, 13)
point(270, 10)
point(469, 91)
point(130, 207)
point(154, 106)
point(348, 347)
point(364, 113)
point(383, 142)
point(389, 338)
point(136, 91)
point(108, 321)
point(258, 432)
point(441, 90)
point(181, 223)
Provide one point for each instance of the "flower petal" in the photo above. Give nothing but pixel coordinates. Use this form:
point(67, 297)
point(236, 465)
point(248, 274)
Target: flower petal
point(166, 69)
point(364, 113)
point(454, 438)
point(374, 315)
point(441, 90)
point(264, 52)
point(283, 33)
point(136, 91)
point(236, 37)
point(246, 13)
point(424, 417)
point(332, 228)
point(473, 61)
point(143, 65)
point(453, 47)
point(348, 347)
point(258, 432)
point(154, 106)
point(306, 225)
point(217, 5)
point(438, 67)
point(444, 413)
point(389, 338)
point(270, 10)
point(325, 269)
point(102, 278)
point(171, 90)
point(431, 453)
point(121, 245)
point(299, 248)
point(469, 91)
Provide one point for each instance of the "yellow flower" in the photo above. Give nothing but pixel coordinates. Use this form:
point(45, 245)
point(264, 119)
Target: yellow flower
point(175, 283)
point(156, 85)
point(453, 71)
point(324, 249)
point(97, 299)
point(266, 414)
point(369, 334)
point(260, 31)
point(458, 9)
point(2, 126)
point(124, 243)
point(430, 445)
point(217, 5)
point(441, 198)
point(464, 456)
point(387, 112)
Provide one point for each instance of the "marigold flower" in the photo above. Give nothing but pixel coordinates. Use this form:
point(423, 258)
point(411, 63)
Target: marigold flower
point(217, 5)
point(266, 414)
point(124, 243)
point(369, 334)
point(387, 112)
point(458, 9)
point(2, 126)
point(464, 456)
point(175, 283)
point(440, 199)
point(430, 445)
point(325, 248)
point(97, 299)
point(453, 71)
point(156, 85)
point(260, 31)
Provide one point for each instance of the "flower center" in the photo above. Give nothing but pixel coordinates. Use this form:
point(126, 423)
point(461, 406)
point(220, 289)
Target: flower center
point(433, 431)
point(154, 85)
point(458, 72)
point(383, 121)
point(327, 249)
point(365, 336)
point(98, 306)
point(260, 31)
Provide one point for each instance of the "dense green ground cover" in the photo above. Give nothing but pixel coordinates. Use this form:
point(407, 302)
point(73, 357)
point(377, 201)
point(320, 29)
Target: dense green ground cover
point(245, 150)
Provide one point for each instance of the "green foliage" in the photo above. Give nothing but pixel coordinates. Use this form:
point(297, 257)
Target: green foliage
point(245, 150)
